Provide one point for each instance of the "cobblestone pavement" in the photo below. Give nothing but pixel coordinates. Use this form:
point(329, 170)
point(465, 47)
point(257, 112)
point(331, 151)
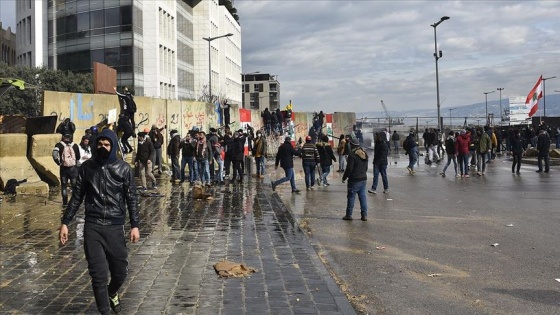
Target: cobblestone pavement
point(171, 268)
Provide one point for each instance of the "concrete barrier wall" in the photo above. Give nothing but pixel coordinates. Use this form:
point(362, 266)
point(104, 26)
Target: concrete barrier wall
point(14, 164)
point(41, 159)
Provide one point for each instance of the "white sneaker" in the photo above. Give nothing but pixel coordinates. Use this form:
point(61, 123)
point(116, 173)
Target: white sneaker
point(372, 191)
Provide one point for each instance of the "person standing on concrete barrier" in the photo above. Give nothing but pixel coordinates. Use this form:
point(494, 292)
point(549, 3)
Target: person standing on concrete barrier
point(125, 126)
point(143, 160)
point(517, 151)
point(380, 162)
point(543, 146)
point(129, 105)
point(107, 185)
point(327, 157)
point(356, 173)
point(285, 157)
point(66, 154)
point(411, 149)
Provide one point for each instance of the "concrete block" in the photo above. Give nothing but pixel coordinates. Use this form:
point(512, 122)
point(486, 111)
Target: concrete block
point(14, 163)
point(33, 188)
point(41, 157)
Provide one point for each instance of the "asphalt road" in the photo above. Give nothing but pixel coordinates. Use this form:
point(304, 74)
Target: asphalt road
point(426, 248)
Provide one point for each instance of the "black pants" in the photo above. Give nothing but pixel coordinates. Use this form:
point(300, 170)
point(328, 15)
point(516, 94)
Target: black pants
point(516, 162)
point(105, 247)
point(131, 116)
point(227, 165)
point(543, 156)
point(124, 140)
point(67, 174)
point(237, 170)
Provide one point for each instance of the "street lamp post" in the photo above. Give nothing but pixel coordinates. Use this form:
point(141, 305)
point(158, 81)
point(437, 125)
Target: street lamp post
point(437, 56)
point(501, 114)
point(209, 39)
point(544, 93)
point(486, 95)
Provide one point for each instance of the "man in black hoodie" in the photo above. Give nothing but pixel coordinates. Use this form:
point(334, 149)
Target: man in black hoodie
point(107, 184)
point(356, 173)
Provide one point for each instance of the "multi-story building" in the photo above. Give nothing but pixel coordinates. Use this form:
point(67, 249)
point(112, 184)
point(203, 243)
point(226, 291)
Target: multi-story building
point(8, 46)
point(260, 91)
point(156, 46)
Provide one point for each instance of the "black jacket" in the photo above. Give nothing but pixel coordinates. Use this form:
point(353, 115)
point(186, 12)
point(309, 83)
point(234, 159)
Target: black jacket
point(108, 188)
point(356, 169)
point(380, 152)
point(145, 151)
point(125, 125)
point(285, 155)
point(543, 142)
point(326, 153)
point(238, 149)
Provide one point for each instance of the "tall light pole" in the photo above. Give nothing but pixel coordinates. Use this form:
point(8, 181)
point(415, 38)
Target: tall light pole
point(544, 93)
point(437, 56)
point(501, 114)
point(450, 120)
point(486, 95)
point(209, 39)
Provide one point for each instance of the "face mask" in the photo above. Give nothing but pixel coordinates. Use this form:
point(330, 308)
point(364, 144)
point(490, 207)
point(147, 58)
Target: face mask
point(102, 153)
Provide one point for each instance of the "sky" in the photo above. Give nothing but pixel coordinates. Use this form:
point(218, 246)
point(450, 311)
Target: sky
point(349, 55)
point(8, 14)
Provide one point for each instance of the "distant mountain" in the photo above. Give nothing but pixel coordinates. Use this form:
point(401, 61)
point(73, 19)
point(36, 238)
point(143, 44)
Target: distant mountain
point(477, 110)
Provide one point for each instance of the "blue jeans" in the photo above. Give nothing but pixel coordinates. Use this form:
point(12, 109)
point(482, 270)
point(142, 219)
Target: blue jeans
point(204, 171)
point(412, 157)
point(451, 157)
point(290, 176)
point(309, 170)
point(219, 175)
point(187, 160)
point(326, 170)
point(259, 161)
point(341, 162)
point(353, 189)
point(464, 164)
point(396, 145)
point(175, 167)
point(380, 169)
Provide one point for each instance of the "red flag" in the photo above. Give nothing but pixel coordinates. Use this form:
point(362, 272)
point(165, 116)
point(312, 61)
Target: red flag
point(534, 96)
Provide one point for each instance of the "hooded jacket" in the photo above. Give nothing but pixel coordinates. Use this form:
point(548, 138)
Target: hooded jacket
point(356, 169)
point(463, 144)
point(484, 143)
point(326, 153)
point(285, 155)
point(380, 152)
point(108, 187)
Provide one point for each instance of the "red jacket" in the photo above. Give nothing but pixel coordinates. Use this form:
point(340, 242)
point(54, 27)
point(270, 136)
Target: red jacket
point(463, 142)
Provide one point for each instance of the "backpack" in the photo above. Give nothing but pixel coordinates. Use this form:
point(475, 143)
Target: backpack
point(68, 156)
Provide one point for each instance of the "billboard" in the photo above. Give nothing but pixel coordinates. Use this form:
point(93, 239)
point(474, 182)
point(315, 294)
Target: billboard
point(518, 110)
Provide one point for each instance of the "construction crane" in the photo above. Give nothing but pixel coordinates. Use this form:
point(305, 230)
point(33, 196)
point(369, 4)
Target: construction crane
point(389, 120)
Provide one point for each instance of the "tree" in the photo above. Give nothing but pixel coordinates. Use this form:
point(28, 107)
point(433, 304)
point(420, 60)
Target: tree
point(28, 101)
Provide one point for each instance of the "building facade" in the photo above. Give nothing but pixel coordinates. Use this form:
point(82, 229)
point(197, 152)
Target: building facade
point(8, 46)
point(156, 46)
point(260, 91)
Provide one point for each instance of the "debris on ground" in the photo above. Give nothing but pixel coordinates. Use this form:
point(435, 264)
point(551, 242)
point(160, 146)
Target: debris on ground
point(432, 275)
point(229, 269)
point(509, 225)
point(494, 245)
point(380, 247)
point(198, 192)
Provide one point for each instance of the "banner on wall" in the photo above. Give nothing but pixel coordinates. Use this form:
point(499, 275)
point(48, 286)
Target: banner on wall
point(329, 127)
point(244, 121)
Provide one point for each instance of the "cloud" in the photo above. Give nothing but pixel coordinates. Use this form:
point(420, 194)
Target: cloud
point(348, 55)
